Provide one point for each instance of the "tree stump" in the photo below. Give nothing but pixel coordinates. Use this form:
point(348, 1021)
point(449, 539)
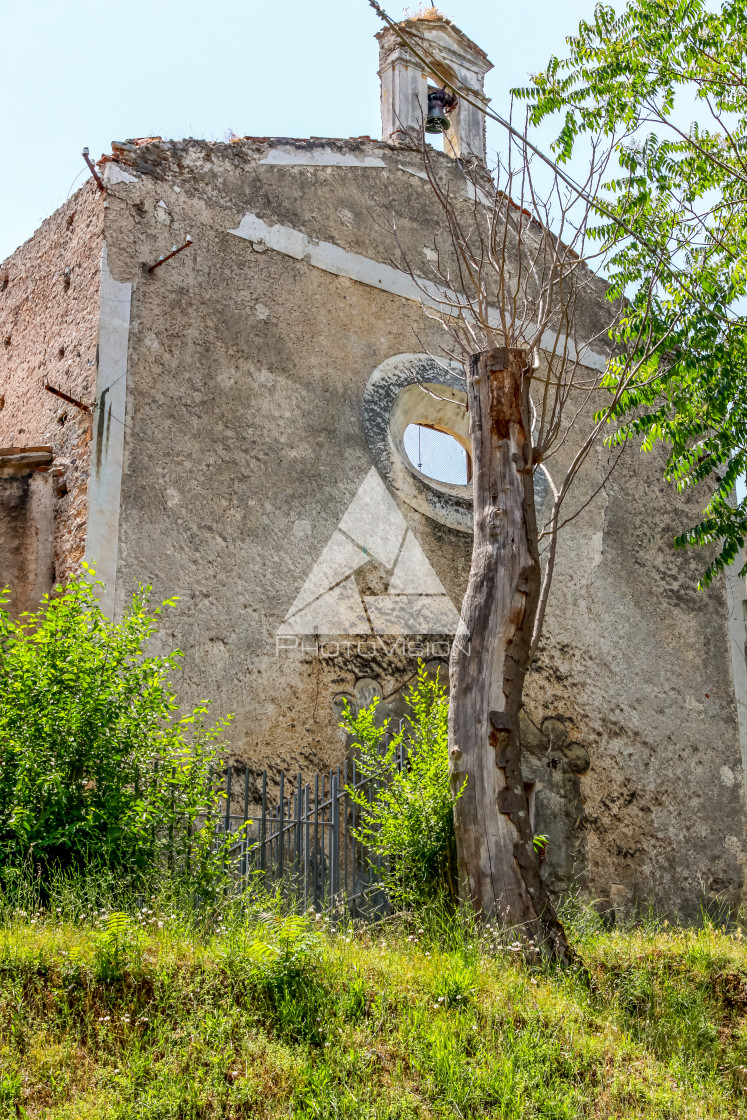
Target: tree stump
point(498, 866)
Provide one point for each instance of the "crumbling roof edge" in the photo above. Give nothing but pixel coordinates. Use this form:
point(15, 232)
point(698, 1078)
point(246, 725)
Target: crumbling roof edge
point(127, 146)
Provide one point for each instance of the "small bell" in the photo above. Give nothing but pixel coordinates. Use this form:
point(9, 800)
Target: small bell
point(438, 102)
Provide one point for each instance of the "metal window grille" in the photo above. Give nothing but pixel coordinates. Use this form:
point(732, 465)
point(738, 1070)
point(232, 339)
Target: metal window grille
point(302, 844)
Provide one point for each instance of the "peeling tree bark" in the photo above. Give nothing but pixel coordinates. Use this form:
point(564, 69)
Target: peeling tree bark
point(498, 867)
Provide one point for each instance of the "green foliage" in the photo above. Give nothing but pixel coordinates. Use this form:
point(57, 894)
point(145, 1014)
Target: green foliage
point(410, 819)
point(273, 960)
point(674, 230)
point(456, 984)
point(285, 972)
point(116, 946)
point(275, 1017)
point(96, 764)
point(11, 1088)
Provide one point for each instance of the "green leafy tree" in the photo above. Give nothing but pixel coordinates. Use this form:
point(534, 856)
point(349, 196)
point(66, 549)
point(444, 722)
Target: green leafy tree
point(673, 224)
point(96, 764)
point(409, 821)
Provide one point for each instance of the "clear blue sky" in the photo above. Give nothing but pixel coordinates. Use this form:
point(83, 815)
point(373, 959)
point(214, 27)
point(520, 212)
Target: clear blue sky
point(85, 72)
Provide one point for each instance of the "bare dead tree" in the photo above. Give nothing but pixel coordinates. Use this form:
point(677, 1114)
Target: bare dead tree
point(511, 288)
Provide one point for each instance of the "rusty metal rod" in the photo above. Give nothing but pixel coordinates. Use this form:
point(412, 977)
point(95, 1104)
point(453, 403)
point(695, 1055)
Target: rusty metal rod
point(70, 400)
point(92, 169)
point(162, 260)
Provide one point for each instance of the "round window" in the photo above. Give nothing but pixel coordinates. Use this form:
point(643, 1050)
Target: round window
point(437, 454)
point(417, 425)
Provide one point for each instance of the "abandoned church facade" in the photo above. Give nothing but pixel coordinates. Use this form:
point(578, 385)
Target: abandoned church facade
point(249, 448)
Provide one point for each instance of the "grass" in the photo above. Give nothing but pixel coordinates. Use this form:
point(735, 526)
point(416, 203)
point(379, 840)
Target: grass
point(141, 1012)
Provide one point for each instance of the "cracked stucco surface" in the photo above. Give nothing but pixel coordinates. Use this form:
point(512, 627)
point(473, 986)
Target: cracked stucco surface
point(245, 444)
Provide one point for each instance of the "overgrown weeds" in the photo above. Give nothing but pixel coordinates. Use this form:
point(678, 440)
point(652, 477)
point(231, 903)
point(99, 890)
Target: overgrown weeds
point(143, 1011)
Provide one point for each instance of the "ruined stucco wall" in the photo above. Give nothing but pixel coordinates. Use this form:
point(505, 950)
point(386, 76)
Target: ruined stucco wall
point(244, 440)
point(48, 333)
point(639, 665)
point(245, 444)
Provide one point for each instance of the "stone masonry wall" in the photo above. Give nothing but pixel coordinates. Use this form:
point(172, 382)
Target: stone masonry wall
point(48, 333)
point(26, 529)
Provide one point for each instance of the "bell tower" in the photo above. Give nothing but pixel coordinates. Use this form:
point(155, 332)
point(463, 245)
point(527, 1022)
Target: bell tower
point(406, 84)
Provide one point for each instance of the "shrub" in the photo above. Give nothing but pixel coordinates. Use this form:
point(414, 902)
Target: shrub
point(96, 764)
point(410, 819)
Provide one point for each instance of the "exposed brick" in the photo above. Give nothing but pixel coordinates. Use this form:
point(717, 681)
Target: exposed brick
point(48, 332)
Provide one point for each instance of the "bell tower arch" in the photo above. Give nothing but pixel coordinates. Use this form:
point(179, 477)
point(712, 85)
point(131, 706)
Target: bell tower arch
point(406, 83)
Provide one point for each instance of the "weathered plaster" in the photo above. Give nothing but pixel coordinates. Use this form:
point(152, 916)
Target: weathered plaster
point(102, 542)
point(736, 600)
point(246, 444)
point(332, 258)
point(115, 173)
point(385, 417)
point(319, 157)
